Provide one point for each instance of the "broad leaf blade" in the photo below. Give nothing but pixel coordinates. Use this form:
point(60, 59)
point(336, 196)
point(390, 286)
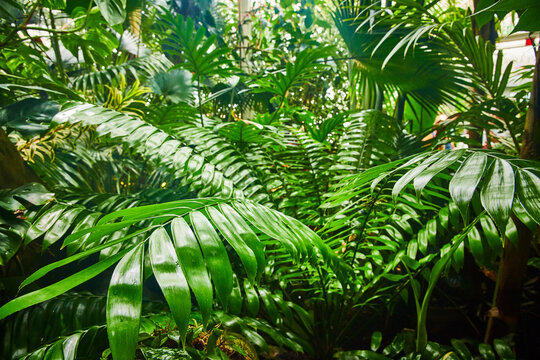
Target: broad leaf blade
point(421, 181)
point(228, 230)
point(59, 287)
point(44, 222)
point(245, 232)
point(124, 301)
point(413, 173)
point(497, 194)
point(192, 263)
point(61, 226)
point(114, 11)
point(528, 192)
point(55, 265)
point(465, 181)
point(215, 255)
point(171, 279)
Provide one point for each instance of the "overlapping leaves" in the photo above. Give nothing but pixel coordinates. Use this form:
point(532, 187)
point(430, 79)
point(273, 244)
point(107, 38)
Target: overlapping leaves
point(200, 54)
point(138, 68)
point(158, 146)
point(502, 182)
point(196, 230)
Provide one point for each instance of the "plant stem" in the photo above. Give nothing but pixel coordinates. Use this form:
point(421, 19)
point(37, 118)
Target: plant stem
point(56, 48)
point(512, 135)
point(200, 100)
point(364, 223)
point(16, 29)
point(436, 272)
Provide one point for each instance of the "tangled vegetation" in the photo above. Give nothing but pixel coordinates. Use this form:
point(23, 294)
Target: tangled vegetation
point(269, 180)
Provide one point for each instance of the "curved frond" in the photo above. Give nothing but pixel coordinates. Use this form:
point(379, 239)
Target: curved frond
point(199, 54)
point(202, 226)
point(142, 67)
point(232, 162)
point(400, 51)
point(501, 181)
point(29, 329)
point(154, 144)
point(369, 138)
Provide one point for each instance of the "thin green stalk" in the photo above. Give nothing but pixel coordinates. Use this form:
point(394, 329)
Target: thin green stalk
point(400, 108)
point(200, 100)
point(23, 25)
point(277, 110)
point(353, 97)
point(56, 48)
point(436, 272)
point(512, 135)
point(366, 217)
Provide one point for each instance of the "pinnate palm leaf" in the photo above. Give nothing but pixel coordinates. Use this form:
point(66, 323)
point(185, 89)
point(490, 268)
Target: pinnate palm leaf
point(139, 68)
point(157, 145)
point(492, 174)
point(195, 224)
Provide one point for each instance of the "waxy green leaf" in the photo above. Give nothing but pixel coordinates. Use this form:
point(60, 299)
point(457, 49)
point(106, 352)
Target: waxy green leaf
point(497, 194)
point(171, 279)
point(124, 301)
point(215, 255)
point(465, 181)
point(59, 287)
point(228, 231)
point(445, 161)
point(193, 265)
point(528, 192)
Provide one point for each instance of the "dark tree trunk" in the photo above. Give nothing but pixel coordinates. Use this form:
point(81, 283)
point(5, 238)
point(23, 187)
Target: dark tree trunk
point(13, 170)
point(513, 264)
point(400, 108)
point(531, 136)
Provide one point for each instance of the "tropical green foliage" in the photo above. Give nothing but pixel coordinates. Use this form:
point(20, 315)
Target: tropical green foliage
point(205, 195)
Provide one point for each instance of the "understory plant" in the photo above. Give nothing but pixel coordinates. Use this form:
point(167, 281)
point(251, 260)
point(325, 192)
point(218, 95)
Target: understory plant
point(179, 183)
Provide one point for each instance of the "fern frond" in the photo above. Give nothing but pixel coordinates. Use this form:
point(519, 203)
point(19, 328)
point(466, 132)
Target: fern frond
point(194, 225)
point(501, 181)
point(139, 68)
point(304, 165)
point(369, 138)
point(156, 145)
point(199, 54)
point(225, 157)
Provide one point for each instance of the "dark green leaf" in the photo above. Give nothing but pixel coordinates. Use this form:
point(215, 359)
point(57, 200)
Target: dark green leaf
point(9, 245)
point(193, 265)
point(465, 181)
point(59, 287)
point(528, 192)
point(376, 339)
point(244, 231)
point(498, 193)
point(423, 178)
point(171, 279)
point(215, 255)
point(503, 350)
point(228, 230)
point(124, 301)
point(114, 11)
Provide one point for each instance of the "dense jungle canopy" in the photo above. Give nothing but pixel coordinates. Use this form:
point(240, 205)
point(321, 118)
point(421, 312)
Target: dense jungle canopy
point(314, 179)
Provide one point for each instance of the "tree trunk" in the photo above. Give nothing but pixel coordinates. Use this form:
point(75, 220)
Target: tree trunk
point(13, 168)
point(399, 110)
point(514, 260)
point(244, 30)
point(531, 135)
